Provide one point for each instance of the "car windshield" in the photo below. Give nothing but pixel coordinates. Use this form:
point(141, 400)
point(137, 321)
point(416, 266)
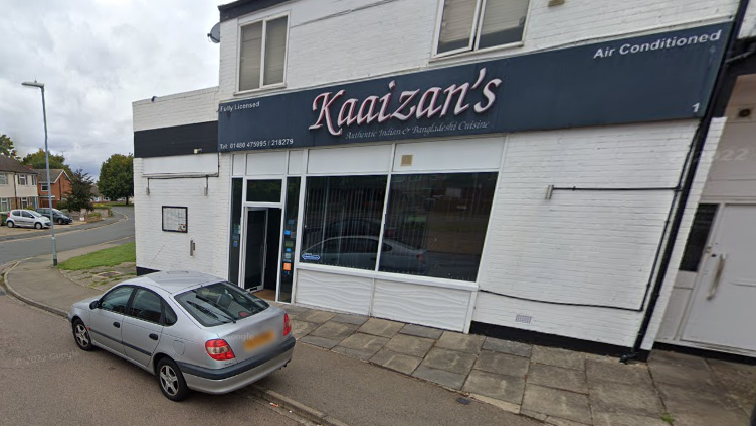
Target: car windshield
point(35, 214)
point(220, 303)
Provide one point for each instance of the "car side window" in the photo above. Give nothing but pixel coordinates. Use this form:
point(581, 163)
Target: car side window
point(146, 306)
point(117, 300)
point(170, 315)
point(27, 215)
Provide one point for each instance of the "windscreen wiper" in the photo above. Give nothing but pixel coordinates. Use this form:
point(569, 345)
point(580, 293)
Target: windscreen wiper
point(224, 312)
point(209, 312)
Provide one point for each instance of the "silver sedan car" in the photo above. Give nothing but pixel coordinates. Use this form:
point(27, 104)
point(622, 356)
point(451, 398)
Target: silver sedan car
point(191, 330)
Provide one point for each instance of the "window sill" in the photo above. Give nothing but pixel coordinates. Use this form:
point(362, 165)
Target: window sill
point(473, 53)
point(260, 89)
point(390, 276)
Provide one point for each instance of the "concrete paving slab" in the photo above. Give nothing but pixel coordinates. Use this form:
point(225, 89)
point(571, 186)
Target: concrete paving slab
point(558, 378)
point(614, 372)
point(501, 363)
point(364, 355)
point(505, 388)
point(675, 358)
point(682, 400)
point(736, 380)
point(557, 403)
point(302, 328)
point(381, 327)
point(447, 360)
point(712, 418)
point(350, 319)
point(334, 330)
point(444, 378)
point(508, 347)
point(624, 419)
point(608, 397)
point(411, 345)
point(558, 357)
point(320, 341)
point(556, 421)
point(316, 316)
point(364, 342)
point(420, 331)
point(396, 361)
point(471, 343)
point(684, 376)
point(292, 309)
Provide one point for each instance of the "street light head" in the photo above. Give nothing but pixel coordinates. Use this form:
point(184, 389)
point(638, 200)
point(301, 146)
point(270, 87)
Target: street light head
point(33, 84)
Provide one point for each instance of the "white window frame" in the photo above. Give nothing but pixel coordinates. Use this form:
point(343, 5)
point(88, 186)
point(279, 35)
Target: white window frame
point(34, 180)
point(5, 204)
point(24, 202)
point(3, 178)
point(44, 187)
point(473, 45)
point(24, 178)
point(264, 20)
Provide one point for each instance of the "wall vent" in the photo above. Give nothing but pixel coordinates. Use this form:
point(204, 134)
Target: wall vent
point(525, 319)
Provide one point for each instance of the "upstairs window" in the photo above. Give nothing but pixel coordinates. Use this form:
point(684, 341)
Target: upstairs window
point(468, 25)
point(45, 188)
point(22, 179)
point(3, 179)
point(262, 54)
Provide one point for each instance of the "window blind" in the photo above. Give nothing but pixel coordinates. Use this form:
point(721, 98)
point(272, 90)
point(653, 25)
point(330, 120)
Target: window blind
point(456, 25)
point(275, 50)
point(503, 22)
point(251, 53)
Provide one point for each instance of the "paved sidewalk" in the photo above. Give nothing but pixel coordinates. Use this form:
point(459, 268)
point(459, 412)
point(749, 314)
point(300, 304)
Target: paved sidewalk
point(373, 371)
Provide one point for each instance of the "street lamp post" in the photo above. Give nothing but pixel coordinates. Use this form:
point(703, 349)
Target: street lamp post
point(47, 169)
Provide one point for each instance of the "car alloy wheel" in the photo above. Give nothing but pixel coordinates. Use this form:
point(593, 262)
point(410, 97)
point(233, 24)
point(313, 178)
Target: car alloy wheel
point(38, 225)
point(171, 380)
point(81, 335)
point(60, 221)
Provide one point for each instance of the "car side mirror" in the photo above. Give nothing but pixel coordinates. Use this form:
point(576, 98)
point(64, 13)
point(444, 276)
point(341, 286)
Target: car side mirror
point(94, 304)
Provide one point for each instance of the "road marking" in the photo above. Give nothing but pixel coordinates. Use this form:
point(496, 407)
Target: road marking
point(63, 234)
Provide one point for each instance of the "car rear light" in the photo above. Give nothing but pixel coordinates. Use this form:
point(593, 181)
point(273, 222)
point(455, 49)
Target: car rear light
point(219, 350)
point(287, 325)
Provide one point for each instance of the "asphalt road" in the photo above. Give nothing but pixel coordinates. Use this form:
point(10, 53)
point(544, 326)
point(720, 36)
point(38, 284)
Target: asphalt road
point(47, 380)
point(21, 249)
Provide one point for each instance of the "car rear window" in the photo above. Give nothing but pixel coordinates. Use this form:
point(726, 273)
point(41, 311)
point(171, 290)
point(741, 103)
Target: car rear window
point(220, 303)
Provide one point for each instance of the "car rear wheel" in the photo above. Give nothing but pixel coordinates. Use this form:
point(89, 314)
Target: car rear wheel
point(81, 336)
point(38, 225)
point(171, 380)
point(10, 224)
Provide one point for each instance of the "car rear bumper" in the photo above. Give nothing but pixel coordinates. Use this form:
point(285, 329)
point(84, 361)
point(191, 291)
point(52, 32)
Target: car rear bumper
point(237, 376)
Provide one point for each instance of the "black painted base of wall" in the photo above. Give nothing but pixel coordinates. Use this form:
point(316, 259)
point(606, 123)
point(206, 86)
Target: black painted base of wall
point(144, 271)
point(706, 353)
point(553, 340)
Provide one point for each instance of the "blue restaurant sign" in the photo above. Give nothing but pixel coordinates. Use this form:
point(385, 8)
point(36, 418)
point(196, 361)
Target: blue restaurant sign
point(652, 77)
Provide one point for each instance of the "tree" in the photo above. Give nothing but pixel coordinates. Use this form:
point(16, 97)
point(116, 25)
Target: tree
point(6, 147)
point(79, 197)
point(117, 177)
point(37, 161)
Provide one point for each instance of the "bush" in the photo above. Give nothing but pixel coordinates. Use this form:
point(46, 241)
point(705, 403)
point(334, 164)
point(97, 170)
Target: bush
point(62, 205)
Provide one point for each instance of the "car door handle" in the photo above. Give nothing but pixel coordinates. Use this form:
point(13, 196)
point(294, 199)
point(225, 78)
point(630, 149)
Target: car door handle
point(153, 336)
point(117, 324)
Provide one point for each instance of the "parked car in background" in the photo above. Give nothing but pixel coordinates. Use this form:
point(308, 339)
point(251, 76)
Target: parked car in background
point(27, 219)
point(191, 330)
point(58, 216)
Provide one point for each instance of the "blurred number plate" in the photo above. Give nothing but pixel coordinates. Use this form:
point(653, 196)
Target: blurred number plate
point(258, 340)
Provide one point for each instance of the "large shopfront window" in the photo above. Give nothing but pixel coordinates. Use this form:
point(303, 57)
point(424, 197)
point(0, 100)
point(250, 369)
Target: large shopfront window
point(435, 223)
point(343, 220)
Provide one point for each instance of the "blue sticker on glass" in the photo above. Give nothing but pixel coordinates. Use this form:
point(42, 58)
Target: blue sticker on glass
point(308, 256)
point(236, 244)
point(292, 221)
point(288, 250)
point(287, 232)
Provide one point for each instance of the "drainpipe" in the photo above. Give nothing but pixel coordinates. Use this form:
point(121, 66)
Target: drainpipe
point(699, 140)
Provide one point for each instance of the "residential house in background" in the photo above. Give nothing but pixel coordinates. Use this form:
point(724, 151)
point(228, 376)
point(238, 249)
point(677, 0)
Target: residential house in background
point(18, 185)
point(96, 195)
point(60, 186)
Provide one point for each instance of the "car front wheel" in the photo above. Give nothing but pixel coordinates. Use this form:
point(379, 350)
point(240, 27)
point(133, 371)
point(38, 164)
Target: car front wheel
point(171, 380)
point(38, 225)
point(60, 221)
point(81, 336)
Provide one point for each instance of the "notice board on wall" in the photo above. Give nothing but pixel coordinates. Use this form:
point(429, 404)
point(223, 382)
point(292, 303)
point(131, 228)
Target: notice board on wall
point(175, 219)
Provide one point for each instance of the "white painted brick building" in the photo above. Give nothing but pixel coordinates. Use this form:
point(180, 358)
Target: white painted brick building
point(589, 158)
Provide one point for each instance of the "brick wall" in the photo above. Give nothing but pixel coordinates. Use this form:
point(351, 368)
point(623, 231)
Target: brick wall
point(332, 41)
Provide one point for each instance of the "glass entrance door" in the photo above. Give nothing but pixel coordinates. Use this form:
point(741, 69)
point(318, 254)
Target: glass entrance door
point(253, 271)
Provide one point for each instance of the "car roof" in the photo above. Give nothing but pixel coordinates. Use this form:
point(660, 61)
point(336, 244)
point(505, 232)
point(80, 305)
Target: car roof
point(174, 282)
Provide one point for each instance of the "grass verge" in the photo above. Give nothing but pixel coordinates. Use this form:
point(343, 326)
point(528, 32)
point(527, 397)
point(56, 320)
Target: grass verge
point(107, 257)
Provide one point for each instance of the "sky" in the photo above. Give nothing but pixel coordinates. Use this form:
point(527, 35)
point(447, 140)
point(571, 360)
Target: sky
point(95, 58)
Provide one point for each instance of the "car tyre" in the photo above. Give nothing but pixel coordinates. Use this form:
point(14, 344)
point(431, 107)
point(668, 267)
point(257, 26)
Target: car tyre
point(60, 221)
point(10, 224)
point(37, 225)
point(171, 381)
point(81, 336)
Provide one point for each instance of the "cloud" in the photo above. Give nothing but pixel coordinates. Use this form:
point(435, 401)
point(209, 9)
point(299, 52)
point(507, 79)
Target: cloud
point(95, 57)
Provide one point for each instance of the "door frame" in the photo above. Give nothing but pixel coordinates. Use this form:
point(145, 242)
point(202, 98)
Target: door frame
point(698, 287)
